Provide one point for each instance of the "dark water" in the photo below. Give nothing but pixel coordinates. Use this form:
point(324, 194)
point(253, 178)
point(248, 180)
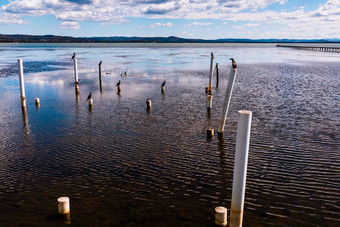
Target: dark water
point(123, 166)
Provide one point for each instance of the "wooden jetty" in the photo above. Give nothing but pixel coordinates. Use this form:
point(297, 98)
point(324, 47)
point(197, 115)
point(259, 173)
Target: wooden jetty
point(324, 48)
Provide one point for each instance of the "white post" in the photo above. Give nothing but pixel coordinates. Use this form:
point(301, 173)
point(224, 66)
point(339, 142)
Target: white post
point(75, 70)
point(221, 216)
point(37, 101)
point(209, 102)
point(240, 167)
point(63, 205)
point(148, 104)
point(223, 119)
point(90, 101)
point(211, 72)
point(22, 83)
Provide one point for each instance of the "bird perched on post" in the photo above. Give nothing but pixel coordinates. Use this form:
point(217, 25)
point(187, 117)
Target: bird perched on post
point(118, 84)
point(73, 56)
point(89, 96)
point(163, 84)
point(100, 63)
point(233, 63)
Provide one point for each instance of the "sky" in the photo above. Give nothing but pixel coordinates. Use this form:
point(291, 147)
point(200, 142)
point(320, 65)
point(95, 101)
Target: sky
point(209, 19)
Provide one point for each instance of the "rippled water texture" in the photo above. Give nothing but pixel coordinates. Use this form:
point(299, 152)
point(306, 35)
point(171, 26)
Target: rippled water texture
point(123, 166)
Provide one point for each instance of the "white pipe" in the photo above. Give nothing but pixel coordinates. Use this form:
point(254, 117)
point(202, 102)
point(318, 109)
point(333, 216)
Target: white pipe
point(240, 167)
point(211, 72)
point(22, 83)
point(63, 205)
point(230, 85)
point(76, 70)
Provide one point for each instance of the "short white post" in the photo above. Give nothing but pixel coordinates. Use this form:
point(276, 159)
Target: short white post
point(148, 104)
point(221, 216)
point(90, 101)
point(209, 102)
point(75, 70)
point(211, 73)
point(22, 83)
point(221, 123)
point(37, 101)
point(240, 167)
point(210, 132)
point(63, 205)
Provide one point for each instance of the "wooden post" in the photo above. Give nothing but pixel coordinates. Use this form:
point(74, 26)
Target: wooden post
point(240, 167)
point(211, 73)
point(221, 216)
point(22, 83)
point(223, 118)
point(100, 76)
point(63, 205)
point(217, 79)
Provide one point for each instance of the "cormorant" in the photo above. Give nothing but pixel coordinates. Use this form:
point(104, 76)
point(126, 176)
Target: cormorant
point(73, 56)
point(118, 83)
point(163, 84)
point(233, 63)
point(100, 62)
point(89, 96)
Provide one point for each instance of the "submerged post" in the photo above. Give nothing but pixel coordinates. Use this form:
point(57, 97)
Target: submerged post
point(223, 119)
point(240, 167)
point(211, 73)
point(76, 70)
point(216, 67)
point(22, 83)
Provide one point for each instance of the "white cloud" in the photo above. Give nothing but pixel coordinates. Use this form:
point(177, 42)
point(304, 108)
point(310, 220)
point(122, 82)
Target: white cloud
point(69, 25)
point(161, 25)
point(199, 24)
point(322, 22)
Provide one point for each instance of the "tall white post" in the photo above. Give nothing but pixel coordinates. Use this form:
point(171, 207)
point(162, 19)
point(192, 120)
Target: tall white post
point(240, 167)
point(230, 85)
point(75, 70)
point(211, 72)
point(22, 83)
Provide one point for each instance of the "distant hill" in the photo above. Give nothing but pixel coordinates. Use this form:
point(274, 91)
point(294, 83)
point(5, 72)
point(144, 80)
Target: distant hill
point(122, 39)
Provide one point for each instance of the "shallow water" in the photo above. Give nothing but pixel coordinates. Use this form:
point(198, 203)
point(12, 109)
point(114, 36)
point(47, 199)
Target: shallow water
point(123, 166)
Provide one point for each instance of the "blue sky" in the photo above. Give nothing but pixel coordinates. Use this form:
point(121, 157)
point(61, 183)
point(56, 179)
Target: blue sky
point(213, 19)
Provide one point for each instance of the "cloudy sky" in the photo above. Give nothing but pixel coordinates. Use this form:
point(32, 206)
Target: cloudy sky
point(207, 19)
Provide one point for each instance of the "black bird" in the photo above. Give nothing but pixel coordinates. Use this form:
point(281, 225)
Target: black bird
point(118, 83)
point(100, 62)
point(163, 84)
point(73, 56)
point(89, 96)
point(233, 63)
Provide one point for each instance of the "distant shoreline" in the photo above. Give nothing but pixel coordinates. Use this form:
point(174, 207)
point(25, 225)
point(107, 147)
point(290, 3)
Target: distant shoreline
point(121, 39)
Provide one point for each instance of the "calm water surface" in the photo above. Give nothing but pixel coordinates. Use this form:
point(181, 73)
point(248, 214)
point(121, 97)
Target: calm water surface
point(123, 166)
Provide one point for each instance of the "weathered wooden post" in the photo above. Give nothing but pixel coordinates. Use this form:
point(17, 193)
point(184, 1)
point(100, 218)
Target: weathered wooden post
point(211, 73)
point(240, 168)
point(223, 119)
point(217, 79)
point(100, 76)
point(22, 83)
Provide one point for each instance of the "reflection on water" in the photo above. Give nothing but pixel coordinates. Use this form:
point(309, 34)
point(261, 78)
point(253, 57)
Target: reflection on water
point(123, 165)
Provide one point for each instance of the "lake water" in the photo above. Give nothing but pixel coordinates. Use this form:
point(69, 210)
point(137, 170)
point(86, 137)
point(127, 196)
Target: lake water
point(124, 166)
